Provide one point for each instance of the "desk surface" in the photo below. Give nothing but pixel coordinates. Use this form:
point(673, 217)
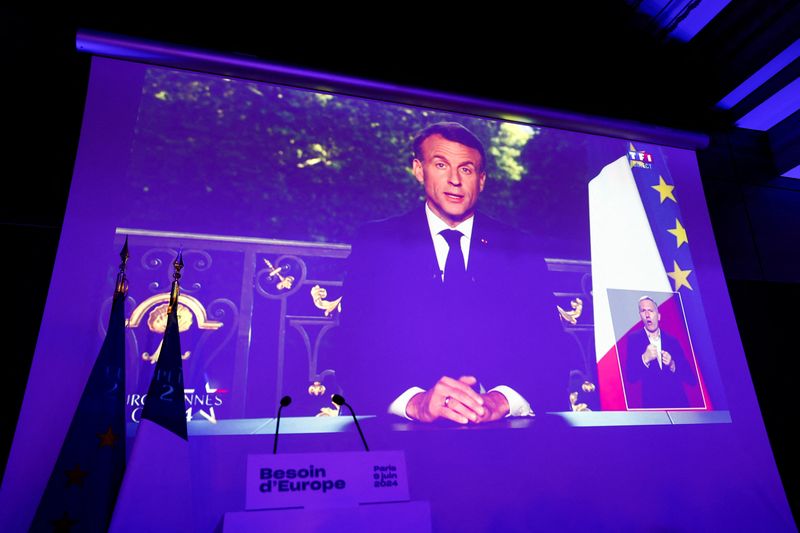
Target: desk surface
point(308, 424)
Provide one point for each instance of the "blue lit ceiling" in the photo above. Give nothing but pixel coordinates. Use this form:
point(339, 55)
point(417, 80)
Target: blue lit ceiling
point(756, 47)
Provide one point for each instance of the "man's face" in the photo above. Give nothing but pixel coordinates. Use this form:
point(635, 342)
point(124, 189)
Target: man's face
point(650, 315)
point(453, 177)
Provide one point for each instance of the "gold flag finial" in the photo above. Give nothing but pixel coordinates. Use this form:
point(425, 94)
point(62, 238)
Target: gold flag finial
point(176, 276)
point(122, 280)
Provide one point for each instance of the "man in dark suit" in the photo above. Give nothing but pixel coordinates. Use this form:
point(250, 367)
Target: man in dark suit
point(448, 299)
point(656, 360)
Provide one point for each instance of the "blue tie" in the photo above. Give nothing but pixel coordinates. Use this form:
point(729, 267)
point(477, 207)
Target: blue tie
point(454, 271)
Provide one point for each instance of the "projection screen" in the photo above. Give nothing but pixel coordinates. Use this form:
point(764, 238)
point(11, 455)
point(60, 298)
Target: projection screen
point(268, 179)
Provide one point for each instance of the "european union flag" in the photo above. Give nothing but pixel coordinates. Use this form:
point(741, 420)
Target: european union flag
point(83, 487)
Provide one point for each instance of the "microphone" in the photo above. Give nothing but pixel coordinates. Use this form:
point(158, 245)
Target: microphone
point(339, 400)
point(285, 401)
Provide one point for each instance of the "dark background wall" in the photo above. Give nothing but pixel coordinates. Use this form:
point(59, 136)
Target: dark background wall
point(554, 58)
point(756, 221)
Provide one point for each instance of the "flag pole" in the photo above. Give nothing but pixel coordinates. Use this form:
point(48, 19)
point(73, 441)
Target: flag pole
point(156, 492)
point(87, 474)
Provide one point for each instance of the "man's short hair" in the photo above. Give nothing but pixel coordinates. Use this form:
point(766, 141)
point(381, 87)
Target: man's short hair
point(452, 131)
point(643, 298)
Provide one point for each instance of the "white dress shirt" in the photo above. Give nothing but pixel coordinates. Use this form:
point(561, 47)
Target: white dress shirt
point(518, 405)
point(655, 340)
point(436, 226)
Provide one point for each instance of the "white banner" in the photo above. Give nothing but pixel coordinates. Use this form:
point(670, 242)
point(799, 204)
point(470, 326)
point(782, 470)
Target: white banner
point(325, 479)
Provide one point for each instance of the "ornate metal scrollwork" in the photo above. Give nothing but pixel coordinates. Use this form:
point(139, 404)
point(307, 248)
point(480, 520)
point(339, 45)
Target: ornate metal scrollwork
point(318, 294)
point(155, 307)
point(201, 263)
point(151, 261)
point(316, 389)
point(572, 316)
point(281, 277)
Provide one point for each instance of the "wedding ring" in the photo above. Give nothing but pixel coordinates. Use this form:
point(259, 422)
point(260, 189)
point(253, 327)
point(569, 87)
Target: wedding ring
point(446, 401)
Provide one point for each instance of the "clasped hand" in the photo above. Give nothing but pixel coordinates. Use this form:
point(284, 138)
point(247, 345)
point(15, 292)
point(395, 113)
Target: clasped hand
point(456, 400)
point(651, 354)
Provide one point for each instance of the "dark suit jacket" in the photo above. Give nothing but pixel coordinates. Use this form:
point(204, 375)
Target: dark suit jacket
point(661, 388)
point(401, 327)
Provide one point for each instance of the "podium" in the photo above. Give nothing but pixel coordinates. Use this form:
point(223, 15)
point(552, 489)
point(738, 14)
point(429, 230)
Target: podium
point(335, 491)
point(397, 517)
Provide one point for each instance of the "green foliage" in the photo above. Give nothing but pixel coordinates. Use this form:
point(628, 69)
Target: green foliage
point(297, 164)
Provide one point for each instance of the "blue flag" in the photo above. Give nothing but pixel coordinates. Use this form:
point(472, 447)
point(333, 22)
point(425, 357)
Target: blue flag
point(83, 487)
point(156, 492)
point(165, 397)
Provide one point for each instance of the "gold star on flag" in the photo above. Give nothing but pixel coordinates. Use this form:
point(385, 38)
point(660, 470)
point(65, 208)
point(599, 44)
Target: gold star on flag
point(680, 277)
point(679, 232)
point(108, 438)
point(664, 190)
point(76, 476)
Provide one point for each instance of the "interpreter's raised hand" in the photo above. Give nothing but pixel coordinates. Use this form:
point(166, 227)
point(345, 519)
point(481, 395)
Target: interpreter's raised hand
point(649, 355)
point(667, 360)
